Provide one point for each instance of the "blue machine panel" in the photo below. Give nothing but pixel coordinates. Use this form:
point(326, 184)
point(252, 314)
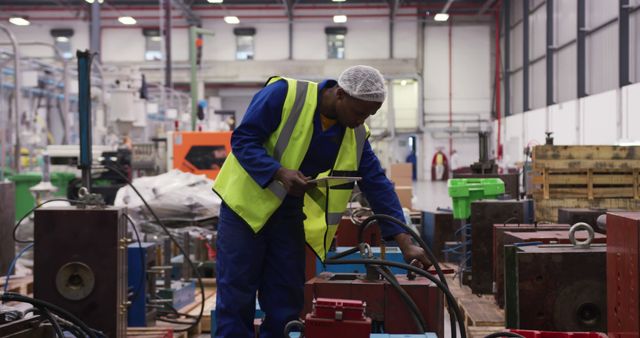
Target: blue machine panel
point(137, 283)
point(392, 253)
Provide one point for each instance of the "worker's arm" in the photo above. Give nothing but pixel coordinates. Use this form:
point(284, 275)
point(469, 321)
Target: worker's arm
point(260, 121)
point(384, 200)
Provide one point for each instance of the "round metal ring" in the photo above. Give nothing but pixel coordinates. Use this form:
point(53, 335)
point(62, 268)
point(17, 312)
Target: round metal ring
point(75, 281)
point(581, 226)
point(82, 192)
point(365, 250)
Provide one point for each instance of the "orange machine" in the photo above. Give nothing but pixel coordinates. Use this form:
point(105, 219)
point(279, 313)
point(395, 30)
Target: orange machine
point(198, 152)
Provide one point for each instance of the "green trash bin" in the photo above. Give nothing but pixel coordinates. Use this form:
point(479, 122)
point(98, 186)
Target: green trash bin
point(24, 181)
point(463, 191)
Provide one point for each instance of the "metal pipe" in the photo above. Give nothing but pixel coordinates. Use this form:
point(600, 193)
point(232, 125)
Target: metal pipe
point(167, 35)
point(549, 54)
point(525, 55)
point(497, 84)
point(65, 79)
point(84, 112)
point(193, 32)
point(450, 85)
point(17, 97)
point(94, 29)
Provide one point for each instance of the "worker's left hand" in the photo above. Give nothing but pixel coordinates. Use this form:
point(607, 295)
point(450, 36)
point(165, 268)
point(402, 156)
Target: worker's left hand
point(411, 252)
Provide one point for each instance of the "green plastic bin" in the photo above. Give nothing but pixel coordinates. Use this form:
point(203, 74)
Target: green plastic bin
point(24, 197)
point(463, 191)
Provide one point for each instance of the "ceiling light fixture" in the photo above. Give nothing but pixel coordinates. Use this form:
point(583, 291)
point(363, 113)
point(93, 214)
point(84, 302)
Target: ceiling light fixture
point(215, 1)
point(19, 21)
point(339, 0)
point(127, 20)
point(231, 19)
point(92, 1)
point(339, 18)
point(441, 17)
point(62, 39)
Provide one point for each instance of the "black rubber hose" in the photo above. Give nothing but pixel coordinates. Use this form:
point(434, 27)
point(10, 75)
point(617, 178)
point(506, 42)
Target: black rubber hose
point(504, 334)
point(14, 297)
point(294, 324)
point(423, 245)
point(184, 253)
point(450, 299)
point(413, 308)
point(15, 228)
point(56, 327)
point(346, 253)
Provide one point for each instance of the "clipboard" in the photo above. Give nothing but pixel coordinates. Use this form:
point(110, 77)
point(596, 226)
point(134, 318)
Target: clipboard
point(329, 181)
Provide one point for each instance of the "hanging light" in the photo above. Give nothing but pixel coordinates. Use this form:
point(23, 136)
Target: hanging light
point(231, 19)
point(339, 18)
point(19, 21)
point(441, 17)
point(127, 20)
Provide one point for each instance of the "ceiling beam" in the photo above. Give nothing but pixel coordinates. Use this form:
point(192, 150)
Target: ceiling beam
point(487, 4)
point(192, 18)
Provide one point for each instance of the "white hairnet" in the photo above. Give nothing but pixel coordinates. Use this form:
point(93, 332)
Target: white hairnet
point(364, 83)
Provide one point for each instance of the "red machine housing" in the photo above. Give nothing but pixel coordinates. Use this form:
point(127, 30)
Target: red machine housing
point(623, 253)
point(339, 318)
point(554, 334)
point(383, 302)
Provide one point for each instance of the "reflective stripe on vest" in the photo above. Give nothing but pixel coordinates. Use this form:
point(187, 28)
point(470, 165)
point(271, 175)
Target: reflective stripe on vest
point(288, 145)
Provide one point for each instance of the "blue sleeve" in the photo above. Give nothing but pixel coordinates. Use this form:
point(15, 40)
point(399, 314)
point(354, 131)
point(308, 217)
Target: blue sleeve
point(379, 192)
point(260, 121)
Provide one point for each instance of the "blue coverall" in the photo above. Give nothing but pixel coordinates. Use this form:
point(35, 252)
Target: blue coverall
point(272, 261)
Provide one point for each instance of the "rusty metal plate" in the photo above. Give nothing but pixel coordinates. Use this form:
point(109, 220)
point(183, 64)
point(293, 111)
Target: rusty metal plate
point(95, 238)
point(484, 214)
point(7, 219)
point(623, 283)
point(498, 250)
point(561, 288)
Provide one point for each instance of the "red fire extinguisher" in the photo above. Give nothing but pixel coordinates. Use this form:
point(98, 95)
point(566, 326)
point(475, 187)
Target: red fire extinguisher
point(439, 167)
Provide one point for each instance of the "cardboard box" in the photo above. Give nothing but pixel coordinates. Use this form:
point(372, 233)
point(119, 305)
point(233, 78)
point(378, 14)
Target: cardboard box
point(401, 174)
point(405, 193)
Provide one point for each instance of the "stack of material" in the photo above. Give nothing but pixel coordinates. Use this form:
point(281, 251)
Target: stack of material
point(401, 175)
point(605, 177)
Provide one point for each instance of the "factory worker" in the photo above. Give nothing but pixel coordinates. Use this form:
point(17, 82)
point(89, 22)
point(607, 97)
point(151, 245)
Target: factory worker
point(294, 131)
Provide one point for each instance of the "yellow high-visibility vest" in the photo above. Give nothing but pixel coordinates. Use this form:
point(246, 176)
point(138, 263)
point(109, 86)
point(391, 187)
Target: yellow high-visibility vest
point(323, 206)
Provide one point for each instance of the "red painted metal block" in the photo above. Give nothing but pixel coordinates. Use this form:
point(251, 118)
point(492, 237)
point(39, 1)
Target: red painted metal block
point(555, 334)
point(498, 250)
point(347, 234)
point(623, 253)
point(427, 297)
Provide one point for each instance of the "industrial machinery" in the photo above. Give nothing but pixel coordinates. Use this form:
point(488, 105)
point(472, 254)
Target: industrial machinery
point(484, 214)
point(141, 263)
point(80, 264)
point(586, 215)
point(385, 307)
point(7, 217)
point(556, 287)
point(511, 182)
point(32, 327)
point(498, 250)
point(623, 255)
point(438, 228)
point(198, 152)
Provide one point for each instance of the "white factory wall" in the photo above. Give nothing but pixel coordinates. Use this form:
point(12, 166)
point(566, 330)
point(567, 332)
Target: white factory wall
point(610, 117)
point(471, 82)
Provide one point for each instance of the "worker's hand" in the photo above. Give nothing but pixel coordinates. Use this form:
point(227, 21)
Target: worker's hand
point(294, 181)
point(412, 254)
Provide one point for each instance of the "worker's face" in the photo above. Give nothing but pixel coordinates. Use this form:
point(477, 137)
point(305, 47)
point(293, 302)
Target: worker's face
point(352, 112)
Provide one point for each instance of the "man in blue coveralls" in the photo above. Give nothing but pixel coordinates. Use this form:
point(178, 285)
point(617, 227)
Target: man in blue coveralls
point(261, 240)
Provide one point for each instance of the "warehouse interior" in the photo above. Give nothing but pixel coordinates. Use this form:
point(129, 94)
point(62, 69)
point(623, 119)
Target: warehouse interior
point(354, 168)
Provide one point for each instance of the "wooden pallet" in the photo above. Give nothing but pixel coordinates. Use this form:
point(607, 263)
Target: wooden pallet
point(480, 312)
point(589, 172)
point(22, 285)
point(154, 332)
point(547, 210)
